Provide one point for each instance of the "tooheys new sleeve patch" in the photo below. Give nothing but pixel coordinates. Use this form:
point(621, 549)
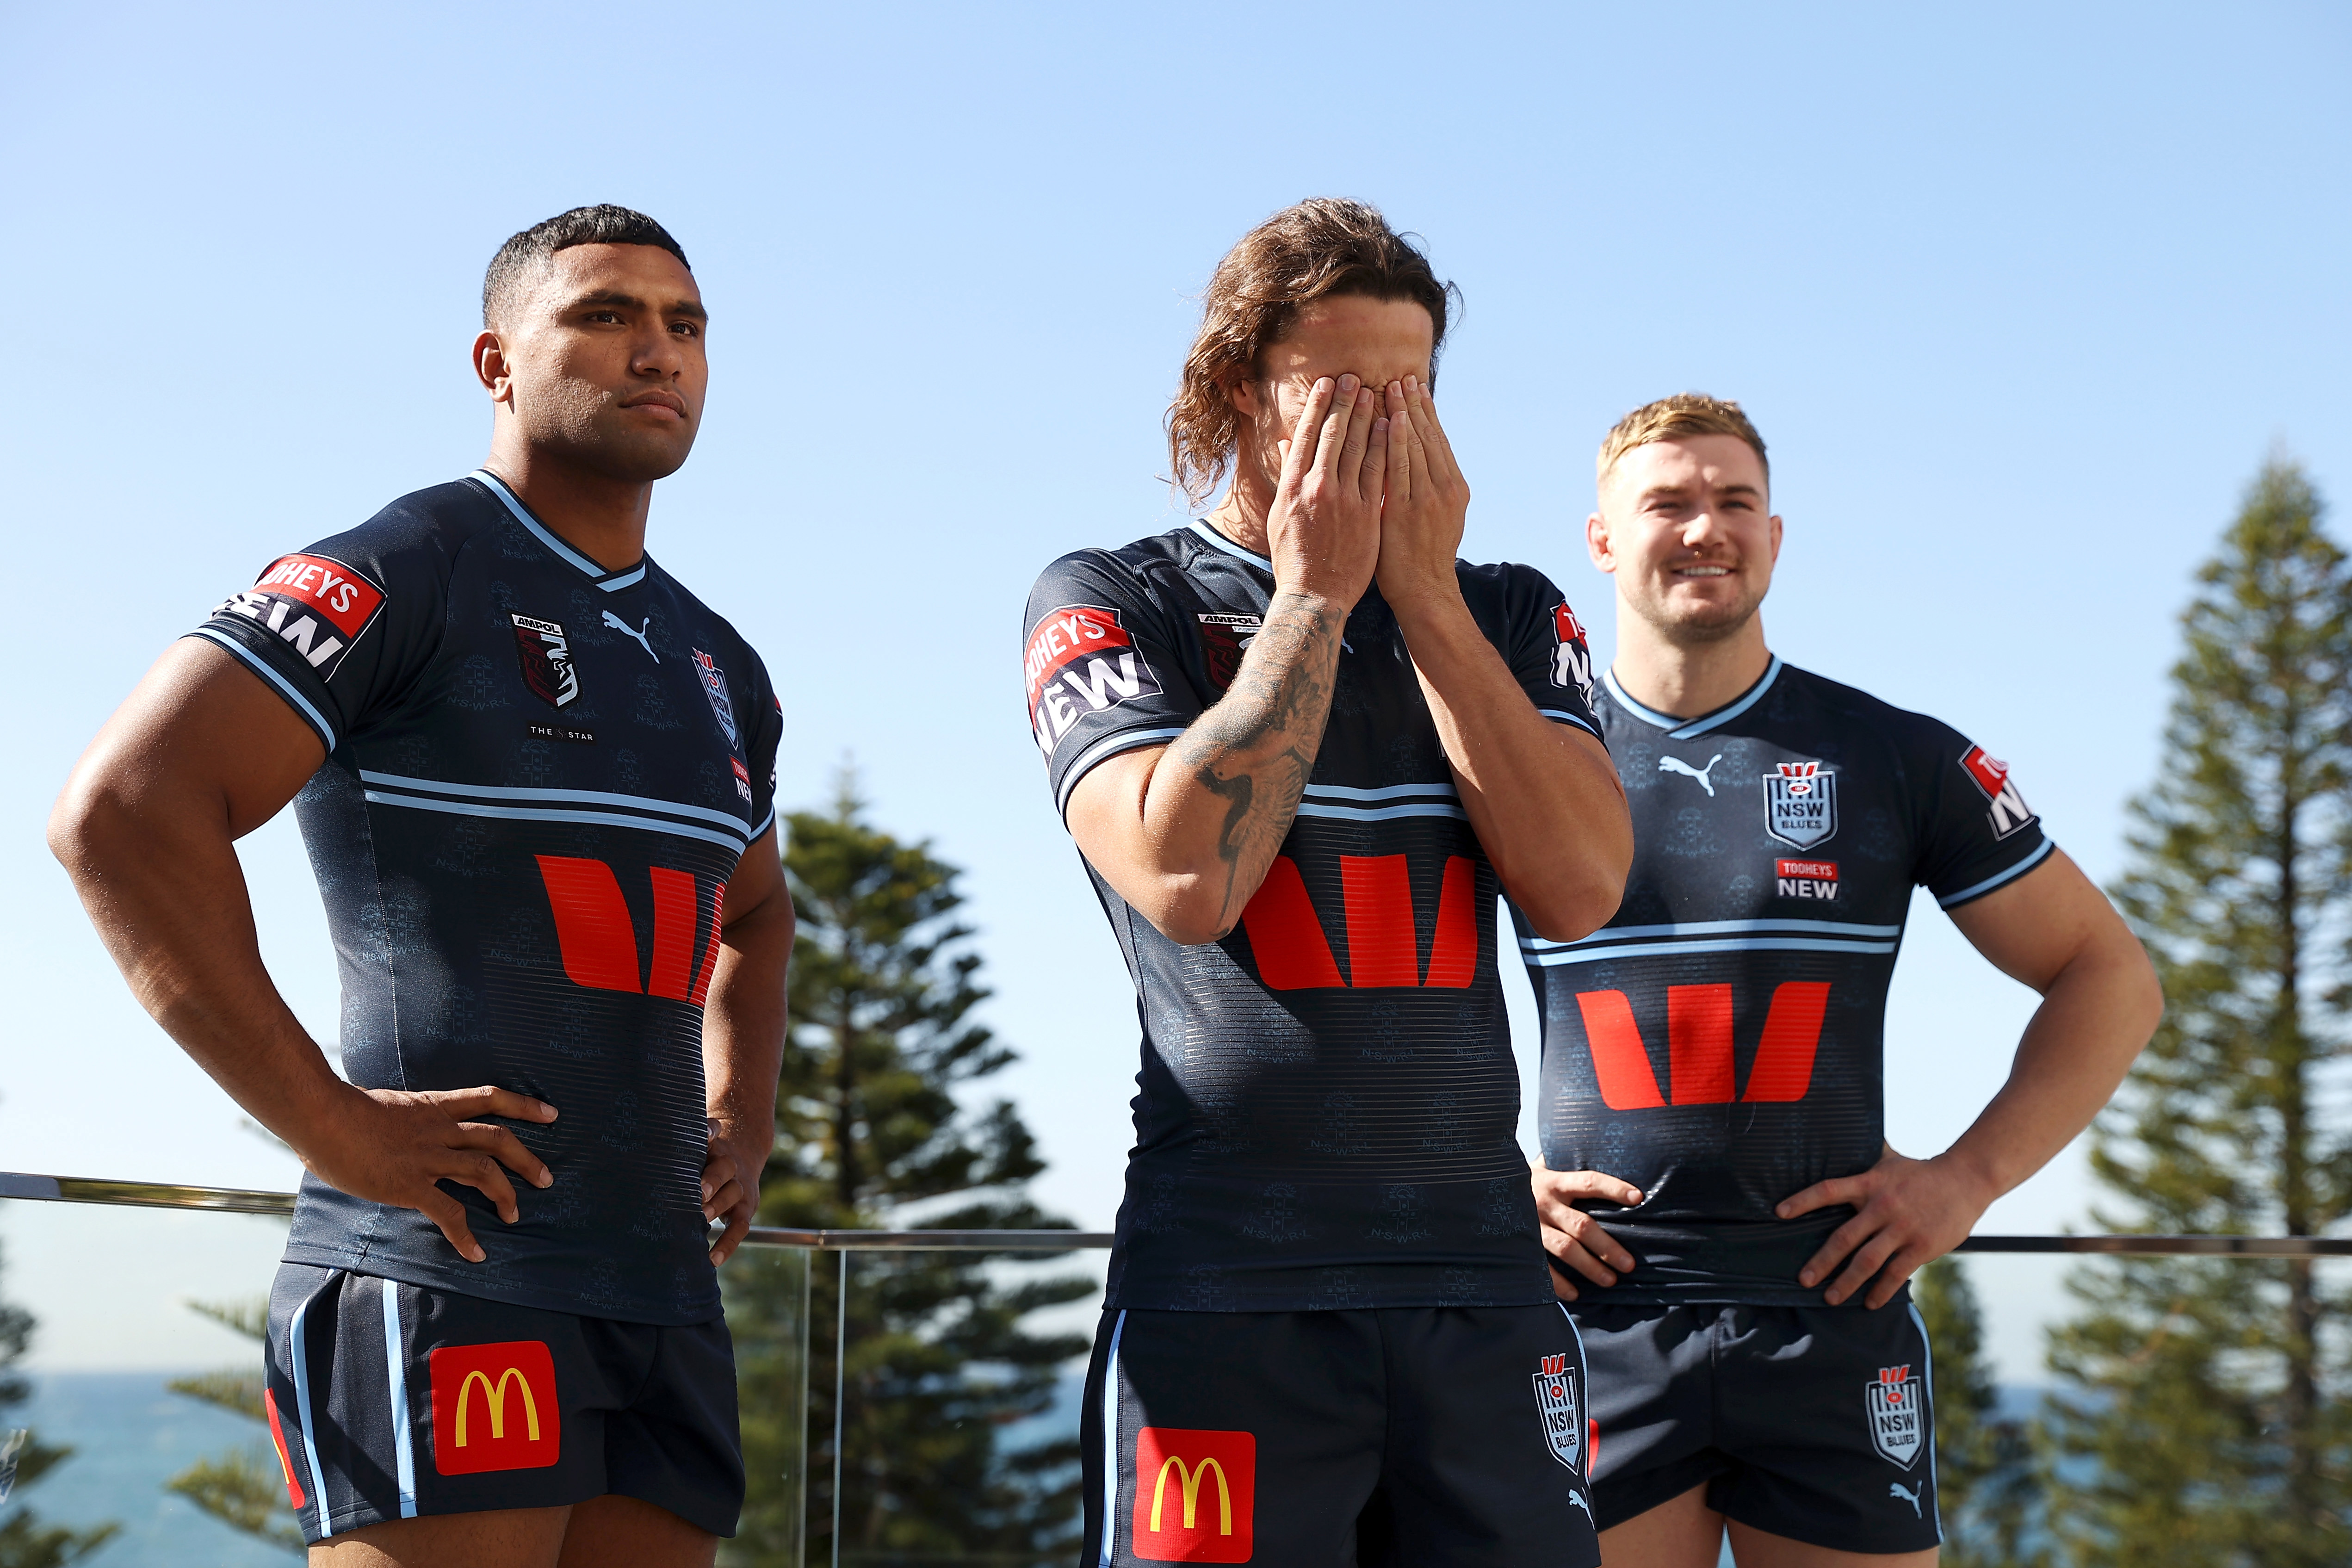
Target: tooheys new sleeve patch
point(1571, 657)
point(315, 605)
point(1080, 660)
point(2007, 811)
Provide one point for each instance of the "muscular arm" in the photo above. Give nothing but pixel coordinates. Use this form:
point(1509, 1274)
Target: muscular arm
point(743, 1039)
point(1185, 832)
point(2051, 928)
point(1543, 798)
point(199, 755)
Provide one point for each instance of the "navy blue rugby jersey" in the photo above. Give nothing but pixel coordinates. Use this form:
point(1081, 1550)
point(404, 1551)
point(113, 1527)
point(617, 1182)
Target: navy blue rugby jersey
point(539, 777)
point(1718, 1043)
point(1328, 1103)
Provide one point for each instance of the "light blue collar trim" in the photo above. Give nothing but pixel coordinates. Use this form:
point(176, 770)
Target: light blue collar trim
point(545, 535)
point(1201, 527)
point(1691, 729)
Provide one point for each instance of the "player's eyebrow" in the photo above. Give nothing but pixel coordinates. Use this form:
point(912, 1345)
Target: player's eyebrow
point(690, 308)
point(1737, 489)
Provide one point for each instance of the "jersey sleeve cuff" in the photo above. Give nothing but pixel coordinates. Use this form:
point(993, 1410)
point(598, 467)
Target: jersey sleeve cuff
point(1562, 716)
point(276, 683)
point(1101, 750)
point(1998, 879)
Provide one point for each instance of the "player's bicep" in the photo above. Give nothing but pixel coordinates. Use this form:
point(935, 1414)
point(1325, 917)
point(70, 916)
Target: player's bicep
point(202, 727)
point(1106, 820)
point(2032, 927)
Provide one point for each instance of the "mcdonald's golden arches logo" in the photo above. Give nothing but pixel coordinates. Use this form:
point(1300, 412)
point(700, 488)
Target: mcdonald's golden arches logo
point(1195, 1495)
point(495, 1408)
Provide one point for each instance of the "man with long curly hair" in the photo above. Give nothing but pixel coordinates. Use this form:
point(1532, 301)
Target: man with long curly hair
point(1301, 748)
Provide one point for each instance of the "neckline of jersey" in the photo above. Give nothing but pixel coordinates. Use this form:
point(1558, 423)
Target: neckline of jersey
point(1202, 526)
point(1691, 729)
point(611, 582)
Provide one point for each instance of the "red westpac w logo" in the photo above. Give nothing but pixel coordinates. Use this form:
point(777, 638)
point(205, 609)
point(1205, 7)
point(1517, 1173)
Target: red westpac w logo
point(494, 1409)
point(600, 943)
point(1383, 942)
point(1195, 1495)
point(1698, 1046)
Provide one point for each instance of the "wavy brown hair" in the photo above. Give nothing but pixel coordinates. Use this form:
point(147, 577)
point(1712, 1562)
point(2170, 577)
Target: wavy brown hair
point(1324, 247)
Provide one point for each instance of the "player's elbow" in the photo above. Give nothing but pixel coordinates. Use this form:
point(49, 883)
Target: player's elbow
point(1569, 907)
point(1187, 919)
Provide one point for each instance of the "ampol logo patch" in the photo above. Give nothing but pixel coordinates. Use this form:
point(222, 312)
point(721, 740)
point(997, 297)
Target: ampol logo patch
point(714, 686)
point(495, 1408)
point(1195, 1495)
point(1898, 1414)
point(545, 652)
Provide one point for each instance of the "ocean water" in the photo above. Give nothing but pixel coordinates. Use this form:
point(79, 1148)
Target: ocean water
point(129, 1437)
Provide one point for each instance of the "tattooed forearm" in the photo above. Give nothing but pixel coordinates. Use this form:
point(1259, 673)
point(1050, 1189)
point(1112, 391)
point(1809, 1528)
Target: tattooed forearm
point(1256, 749)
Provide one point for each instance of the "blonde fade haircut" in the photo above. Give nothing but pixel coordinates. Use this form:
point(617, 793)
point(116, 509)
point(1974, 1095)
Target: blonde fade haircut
point(1683, 414)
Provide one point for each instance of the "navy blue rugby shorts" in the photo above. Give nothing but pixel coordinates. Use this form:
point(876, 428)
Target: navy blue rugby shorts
point(1814, 1423)
point(1434, 1436)
point(386, 1401)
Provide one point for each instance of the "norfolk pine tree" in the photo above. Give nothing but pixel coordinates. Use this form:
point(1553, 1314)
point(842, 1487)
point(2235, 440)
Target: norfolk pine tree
point(2205, 1403)
point(25, 1540)
point(883, 987)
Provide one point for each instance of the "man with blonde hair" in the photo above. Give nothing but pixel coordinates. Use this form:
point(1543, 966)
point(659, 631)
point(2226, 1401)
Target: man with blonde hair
point(1722, 1207)
point(1300, 746)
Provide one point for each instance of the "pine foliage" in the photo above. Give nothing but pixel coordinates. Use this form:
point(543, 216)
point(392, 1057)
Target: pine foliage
point(1988, 1482)
point(2205, 1414)
point(883, 985)
point(245, 1488)
point(25, 1540)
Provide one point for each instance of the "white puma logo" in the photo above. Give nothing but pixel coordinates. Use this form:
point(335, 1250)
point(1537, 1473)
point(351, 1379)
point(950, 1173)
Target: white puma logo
point(1668, 765)
point(622, 627)
point(1896, 1489)
point(1578, 1499)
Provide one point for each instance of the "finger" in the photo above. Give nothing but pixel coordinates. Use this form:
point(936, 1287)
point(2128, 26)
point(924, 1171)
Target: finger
point(1897, 1272)
point(1433, 432)
point(717, 1171)
point(450, 1215)
point(1858, 1273)
point(1298, 452)
point(482, 1174)
point(510, 1150)
point(458, 1104)
point(1398, 482)
point(1595, 1239)
point(1376, 462)
point(1566, 1249)
point(738, 1224)
point(1841, 1241)
point(1824, 1195)
point(1561, 1287)
point(1362, 409)
point(1332, 442)
point(724, 1199)
point(1594, 1184)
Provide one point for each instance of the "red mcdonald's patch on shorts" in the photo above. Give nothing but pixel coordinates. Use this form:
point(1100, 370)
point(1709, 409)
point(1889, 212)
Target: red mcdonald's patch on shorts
point(494, 1409)
point(1195, 1495)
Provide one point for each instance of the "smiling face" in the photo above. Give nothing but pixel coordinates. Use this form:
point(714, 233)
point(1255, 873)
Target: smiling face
point(1686, 527)
point(1380, 341)
point(600, 362)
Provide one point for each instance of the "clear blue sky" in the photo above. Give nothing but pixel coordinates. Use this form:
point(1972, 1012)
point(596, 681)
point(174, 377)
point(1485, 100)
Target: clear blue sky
point(2020, 295)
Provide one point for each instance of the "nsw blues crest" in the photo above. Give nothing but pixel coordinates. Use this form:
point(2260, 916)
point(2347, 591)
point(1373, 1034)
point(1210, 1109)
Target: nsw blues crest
point(1800, 804)
point(1898, 1414)
point(1557, 1398)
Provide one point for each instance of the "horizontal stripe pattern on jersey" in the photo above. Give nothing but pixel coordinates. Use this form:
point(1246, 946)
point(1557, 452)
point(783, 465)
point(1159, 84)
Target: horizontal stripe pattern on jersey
point(1719, 1042)
point(540, 778)
point(1328, 1103)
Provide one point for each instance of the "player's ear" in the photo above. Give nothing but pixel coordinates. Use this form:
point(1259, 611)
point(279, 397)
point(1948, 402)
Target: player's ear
point(491, 367)
point(1243, 392)
point(1596, 542)
point(1776, 539)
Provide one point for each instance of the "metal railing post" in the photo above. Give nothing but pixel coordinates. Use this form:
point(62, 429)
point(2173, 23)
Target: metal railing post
point(840, 1386)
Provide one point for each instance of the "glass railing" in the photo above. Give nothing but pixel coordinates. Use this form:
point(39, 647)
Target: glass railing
point(932, 1422)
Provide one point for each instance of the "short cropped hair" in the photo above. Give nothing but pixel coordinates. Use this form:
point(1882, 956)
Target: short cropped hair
point(1683, 414)
point(522, 257)
point(1323, 248)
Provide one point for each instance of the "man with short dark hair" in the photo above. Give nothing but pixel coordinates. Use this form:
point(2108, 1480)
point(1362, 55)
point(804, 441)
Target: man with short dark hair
point(535, 777)
point(1300, 746)
point(1728, 1220)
